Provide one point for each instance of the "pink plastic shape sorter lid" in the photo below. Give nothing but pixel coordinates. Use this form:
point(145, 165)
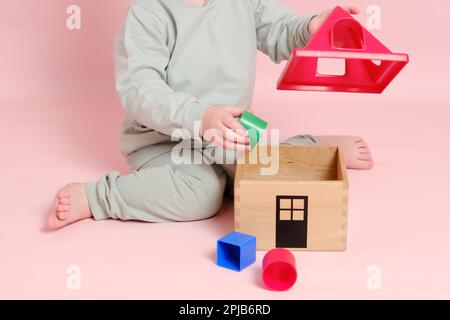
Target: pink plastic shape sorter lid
point(279, 269)
point(368, 65)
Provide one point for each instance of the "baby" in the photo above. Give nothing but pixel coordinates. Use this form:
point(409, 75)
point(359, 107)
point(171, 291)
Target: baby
point(189, 66)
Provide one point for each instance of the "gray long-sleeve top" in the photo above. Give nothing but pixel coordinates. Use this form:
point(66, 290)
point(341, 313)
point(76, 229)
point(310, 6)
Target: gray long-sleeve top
point(173, 60)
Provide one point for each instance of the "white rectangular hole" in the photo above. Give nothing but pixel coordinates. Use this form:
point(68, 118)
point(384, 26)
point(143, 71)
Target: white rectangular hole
point(331, 67)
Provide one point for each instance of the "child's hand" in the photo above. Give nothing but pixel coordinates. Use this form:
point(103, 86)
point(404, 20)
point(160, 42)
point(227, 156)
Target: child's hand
point(317, 21)
point(220, 127)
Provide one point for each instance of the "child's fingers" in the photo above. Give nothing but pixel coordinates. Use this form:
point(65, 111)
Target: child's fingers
point(233, 146)
point(234, 125)
point(233, 136)
point(216, 140)
point(241, 147)
point(230, 140)
point(220, 142)
point(352, 10)
point(213, 134)
point(235, 111)
point(238, 137)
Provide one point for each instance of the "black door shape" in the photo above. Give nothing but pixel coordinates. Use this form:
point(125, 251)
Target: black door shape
point(292, 222)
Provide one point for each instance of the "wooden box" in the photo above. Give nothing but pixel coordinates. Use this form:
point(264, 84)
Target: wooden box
point(301, 207)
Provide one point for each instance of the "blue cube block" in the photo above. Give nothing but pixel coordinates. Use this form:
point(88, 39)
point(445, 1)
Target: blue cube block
point(236, 251)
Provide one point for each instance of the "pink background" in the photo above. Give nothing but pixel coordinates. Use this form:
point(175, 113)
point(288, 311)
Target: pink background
point(60, 120)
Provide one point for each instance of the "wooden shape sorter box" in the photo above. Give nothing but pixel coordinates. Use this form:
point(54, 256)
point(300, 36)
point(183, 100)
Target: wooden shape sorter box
point(303, 206)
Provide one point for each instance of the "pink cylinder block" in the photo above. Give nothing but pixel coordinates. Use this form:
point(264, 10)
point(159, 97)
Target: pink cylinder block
point(279, 271)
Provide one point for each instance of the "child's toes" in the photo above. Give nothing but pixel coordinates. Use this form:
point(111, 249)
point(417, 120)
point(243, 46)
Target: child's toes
point(366, 164)
point(65, 200)
point(365, 156)
point(62, 215)
point(62, 208)
point(361, 144)
point(63, 194)
point(364, 151)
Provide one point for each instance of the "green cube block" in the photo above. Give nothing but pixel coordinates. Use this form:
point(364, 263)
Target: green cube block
point(254, 125)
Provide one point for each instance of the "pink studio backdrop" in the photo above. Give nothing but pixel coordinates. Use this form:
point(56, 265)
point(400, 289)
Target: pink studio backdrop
point(60, 120)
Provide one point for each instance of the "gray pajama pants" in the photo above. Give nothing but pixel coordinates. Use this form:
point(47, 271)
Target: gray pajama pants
point(162, 191)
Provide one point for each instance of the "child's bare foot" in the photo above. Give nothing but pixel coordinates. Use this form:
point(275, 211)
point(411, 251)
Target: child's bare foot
point(356, 151)
point(71, 205)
